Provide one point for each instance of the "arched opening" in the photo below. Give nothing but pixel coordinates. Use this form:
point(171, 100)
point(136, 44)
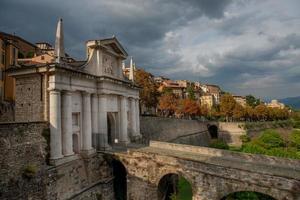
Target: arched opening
point(120, 180)
point(247, 195)
point(213, 131)
point(173, 187)
point(111, 128)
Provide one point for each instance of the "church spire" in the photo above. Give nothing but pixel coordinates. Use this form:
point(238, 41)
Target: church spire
point(131, 70)
point(59, 51)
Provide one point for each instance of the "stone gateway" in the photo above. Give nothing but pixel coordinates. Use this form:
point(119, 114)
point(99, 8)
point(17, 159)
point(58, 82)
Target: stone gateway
point(88, 104)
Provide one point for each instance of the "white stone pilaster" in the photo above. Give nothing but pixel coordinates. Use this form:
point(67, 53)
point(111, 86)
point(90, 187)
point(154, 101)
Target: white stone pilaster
point(95, 129)
point(124, 121)
point(133, 117)
point(66, 125)
point(102, 141)
point(137, 117)
point(86, 122)
point(55, 124)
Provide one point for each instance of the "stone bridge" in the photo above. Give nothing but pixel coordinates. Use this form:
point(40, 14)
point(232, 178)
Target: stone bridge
point(212, 173)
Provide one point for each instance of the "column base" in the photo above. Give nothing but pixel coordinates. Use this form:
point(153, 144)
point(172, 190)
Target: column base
point(123, 143)
point(63, 160)
point(105, 148)
point(87, 153)
point(136, 138)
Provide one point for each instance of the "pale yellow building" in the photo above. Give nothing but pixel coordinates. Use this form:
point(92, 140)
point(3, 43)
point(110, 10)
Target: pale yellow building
point(240, 100)
point(275, 104)
point(208, 100)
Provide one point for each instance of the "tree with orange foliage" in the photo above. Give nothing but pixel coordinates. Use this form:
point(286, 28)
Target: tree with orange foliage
point(148, 94)
point(249, 113)
point(168, 104)
point(227, 105)
point(239, 112)
point(261, 112)
point(188, 107)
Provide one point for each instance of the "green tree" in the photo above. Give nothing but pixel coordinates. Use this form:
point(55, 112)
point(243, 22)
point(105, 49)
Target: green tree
point(191, 93)
point(252, 101)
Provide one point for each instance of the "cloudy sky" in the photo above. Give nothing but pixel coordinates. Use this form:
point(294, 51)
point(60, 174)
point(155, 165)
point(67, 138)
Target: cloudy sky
point(245, 46)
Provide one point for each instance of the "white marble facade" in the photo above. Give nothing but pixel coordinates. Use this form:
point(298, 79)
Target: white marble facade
point(92, 106)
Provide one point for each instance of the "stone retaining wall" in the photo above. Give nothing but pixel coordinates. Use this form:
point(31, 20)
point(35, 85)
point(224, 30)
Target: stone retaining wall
point(25, 174)
point(193, 132)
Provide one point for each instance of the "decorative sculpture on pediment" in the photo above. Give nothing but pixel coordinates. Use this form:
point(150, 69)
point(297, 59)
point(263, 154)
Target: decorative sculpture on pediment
point(108, 65)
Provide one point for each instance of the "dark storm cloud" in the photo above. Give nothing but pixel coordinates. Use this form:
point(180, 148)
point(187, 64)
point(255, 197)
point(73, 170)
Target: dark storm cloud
point(136, 23)
point(230, 43)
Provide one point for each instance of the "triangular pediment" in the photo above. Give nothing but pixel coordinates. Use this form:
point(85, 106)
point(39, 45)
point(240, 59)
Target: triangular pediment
point(114, 45)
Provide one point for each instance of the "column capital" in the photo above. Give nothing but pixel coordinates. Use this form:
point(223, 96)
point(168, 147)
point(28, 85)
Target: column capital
point(67, 92)
point(94, 95)
point(86, 93)
point(54, 90)
point(102, 95)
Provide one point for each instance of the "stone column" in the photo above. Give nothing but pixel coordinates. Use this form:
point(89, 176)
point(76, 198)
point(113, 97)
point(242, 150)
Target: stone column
point(66, 125)
point(55, 125)
point(102, 142)
point(124, 121)
point(86, 122)
point(133, 117)
point(95, 110)
point(137, 117)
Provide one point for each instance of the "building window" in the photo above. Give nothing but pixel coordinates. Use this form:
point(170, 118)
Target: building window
point(42, 57)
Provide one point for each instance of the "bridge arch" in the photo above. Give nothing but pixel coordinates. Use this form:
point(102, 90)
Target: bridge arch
point(120, 179)
point(247, 195)
point(174, 184)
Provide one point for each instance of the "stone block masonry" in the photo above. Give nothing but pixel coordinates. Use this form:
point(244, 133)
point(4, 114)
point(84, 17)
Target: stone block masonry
point(23, 150)
point(25, 173)
point(193, 132)
point(29, 104)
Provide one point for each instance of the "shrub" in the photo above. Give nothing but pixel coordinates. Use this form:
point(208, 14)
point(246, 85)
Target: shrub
point(296, 124)
point(270, 139)
point(253, 148)
point(245, 138)
point(218, 144)
point(284, 152)
point(295, 139)
point(30, 171)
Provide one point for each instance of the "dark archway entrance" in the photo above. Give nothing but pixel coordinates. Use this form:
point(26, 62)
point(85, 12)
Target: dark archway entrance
point(120, 180)
point(247, 195)
point(173, 186)
point(213, 131)
point(111, 128)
